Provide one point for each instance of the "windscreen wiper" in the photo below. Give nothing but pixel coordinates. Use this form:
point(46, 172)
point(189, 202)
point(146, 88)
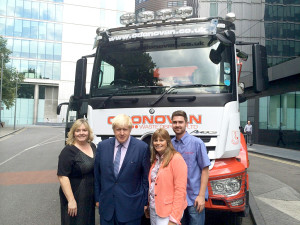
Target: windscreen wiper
point(183, 86)
point(118, 90)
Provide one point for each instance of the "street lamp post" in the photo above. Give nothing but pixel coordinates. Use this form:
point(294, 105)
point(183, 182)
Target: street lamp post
point(2, 58)
point(15, 116)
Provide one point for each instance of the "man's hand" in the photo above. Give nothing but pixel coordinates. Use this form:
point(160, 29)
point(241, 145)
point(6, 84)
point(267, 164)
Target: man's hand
point(147, 212)
point(199, 203)
point(171, 223)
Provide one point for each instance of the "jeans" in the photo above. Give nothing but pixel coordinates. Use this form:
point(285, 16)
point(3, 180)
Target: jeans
point(249, 137)
point(192, 217)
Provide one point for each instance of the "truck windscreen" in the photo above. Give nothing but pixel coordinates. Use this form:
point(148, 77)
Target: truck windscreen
point(151, 67)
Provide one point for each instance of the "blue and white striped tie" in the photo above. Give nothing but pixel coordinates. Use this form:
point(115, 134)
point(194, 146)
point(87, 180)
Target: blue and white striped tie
point(117, 160)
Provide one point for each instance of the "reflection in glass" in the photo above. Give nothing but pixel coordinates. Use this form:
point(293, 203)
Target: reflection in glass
point(41, 50)
point(56, 71)
point(17, 48)
point(263, 113)
point(26, 29)
point(10, 23)
point(288, 111)
point(57, 51)
point(24, 67)
point(41, 70)
point(35, 10)
point(274, 112)
point(10, 43)
point(3, 7)
point(32, 69)
point(42, 30)
point(25, 49)
point(33, 49)
point(2, 26)
point(135, 66)
point(10, 8)
point(16, 64)
point(18, 28)
point(58, 13)
point(48, 70)
point(34, 29)
point(27, 9)
point(50, 31)
point(49, 50)
point(51, 12)
point(58, 32)
point(297, 111)
point(19, 8)
point(43, 11)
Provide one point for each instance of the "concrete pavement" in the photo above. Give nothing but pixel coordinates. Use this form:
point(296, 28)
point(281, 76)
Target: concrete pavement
point(5, 131)
point(271, 201)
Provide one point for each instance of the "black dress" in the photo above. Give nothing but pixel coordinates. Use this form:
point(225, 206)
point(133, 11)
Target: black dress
point(79, 168)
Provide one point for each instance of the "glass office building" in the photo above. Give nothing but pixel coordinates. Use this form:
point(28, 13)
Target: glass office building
point(46, 39)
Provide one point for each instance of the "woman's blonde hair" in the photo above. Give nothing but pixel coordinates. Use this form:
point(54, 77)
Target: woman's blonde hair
point(75, 126)
point(170, 150)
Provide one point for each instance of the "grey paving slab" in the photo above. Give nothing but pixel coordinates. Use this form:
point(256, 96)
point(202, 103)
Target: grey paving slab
point(284, 153)
point(273, 202)
point(261, 183)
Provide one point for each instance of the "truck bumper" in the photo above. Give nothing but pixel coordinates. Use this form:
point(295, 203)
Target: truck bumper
point(224, 170)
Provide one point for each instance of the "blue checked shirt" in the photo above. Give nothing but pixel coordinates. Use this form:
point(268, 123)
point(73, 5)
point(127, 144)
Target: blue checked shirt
point(194, 152)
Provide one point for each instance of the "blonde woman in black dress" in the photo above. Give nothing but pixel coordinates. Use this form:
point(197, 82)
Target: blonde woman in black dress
point(76, 176)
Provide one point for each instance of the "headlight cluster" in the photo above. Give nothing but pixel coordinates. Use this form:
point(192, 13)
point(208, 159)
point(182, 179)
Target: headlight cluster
point(228, 187)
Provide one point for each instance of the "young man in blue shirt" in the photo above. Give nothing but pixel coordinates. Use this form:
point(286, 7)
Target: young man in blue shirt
point(195, 155)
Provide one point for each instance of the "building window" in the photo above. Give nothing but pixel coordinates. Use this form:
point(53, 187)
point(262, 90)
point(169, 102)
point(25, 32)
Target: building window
point(280, 112)
point(229, 6)
point(213, 9)
point(263, 113)
point(243, 113)
point(26, 91)
point(176, 3)
point(297, 116)
point(287, 117)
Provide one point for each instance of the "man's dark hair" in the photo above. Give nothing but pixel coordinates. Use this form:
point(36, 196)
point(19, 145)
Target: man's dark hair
point(180, 113)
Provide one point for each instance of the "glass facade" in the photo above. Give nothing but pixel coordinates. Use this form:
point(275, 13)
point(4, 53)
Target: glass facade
point(280, 112)
point(34, 33)
point(282, 30)
point(243, 113)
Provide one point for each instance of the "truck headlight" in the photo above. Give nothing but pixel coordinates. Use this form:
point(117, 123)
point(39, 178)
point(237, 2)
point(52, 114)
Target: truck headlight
point(127, 18)
point(145, 16)
point(228, 187)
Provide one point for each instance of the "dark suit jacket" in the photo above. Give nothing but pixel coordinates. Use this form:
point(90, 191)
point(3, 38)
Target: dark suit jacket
point(126, 194)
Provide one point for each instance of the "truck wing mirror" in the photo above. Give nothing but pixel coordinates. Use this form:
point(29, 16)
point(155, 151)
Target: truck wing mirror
point(226, 39)
point(58, 109)
point(80, 78)
point(242, 55)
point(260, 70)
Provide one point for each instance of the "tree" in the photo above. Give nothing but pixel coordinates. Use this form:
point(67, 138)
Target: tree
point(10, 76)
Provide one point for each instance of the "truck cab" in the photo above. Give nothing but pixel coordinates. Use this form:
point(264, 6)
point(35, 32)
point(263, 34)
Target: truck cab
point(163, 61)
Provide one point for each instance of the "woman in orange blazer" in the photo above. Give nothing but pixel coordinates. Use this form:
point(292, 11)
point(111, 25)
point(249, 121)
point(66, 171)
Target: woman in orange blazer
point(167, 181)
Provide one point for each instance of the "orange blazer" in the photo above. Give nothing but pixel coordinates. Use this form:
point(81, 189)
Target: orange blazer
point(170, 188)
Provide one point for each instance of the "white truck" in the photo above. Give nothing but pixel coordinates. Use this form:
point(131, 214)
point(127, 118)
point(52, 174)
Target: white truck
point(164, 61)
